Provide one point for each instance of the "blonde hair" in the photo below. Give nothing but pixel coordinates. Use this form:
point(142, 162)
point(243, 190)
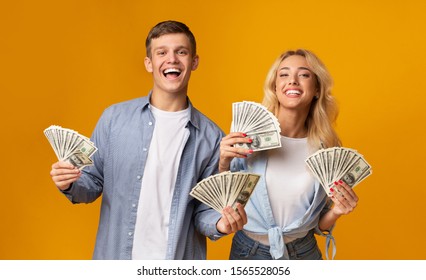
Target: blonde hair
point(323, 112)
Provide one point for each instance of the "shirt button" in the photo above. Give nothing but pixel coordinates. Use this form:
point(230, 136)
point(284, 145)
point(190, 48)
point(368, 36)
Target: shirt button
point(133, 205)
point(144, 149)
point(130, 233)
point(139, 177)
point(150, 123)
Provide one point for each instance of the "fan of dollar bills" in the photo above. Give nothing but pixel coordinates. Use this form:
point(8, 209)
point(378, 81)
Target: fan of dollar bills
point(258, 123)
point(338, 163)
point(70, 146)
point(225, 189)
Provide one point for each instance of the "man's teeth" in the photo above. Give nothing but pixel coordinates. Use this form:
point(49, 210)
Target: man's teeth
point(171, 70)
point(293, 92)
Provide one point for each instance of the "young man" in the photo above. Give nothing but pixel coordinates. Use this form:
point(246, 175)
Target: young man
point(151, 152)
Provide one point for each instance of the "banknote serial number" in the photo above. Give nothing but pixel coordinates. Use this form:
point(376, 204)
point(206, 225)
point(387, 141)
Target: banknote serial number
point(260, 270)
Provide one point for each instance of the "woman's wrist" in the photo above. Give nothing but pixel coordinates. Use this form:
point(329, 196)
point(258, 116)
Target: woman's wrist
point(223, 167)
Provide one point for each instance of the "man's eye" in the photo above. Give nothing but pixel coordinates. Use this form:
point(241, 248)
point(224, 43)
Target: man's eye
point(161, 53)
point(182, 52)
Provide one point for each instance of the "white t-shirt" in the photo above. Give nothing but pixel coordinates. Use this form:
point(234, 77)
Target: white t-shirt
point(290, 185)
point(158, 184)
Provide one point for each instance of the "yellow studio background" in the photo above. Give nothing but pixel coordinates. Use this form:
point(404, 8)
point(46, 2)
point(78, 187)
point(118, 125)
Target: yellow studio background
point(64, 62)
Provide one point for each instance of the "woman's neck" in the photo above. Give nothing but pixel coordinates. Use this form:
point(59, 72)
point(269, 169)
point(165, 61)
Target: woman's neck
point(293, 124)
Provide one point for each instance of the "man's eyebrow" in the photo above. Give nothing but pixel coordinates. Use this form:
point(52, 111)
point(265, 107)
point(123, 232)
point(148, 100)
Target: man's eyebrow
point(177, 47)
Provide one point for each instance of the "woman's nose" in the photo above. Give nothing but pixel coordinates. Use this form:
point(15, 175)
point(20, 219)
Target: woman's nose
point(293, 81)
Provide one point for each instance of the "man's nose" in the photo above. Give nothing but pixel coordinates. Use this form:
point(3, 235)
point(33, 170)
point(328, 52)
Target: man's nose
point(172, 57)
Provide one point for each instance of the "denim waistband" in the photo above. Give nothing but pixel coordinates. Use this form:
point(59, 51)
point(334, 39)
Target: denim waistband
point(291, 246)
point(264, 238)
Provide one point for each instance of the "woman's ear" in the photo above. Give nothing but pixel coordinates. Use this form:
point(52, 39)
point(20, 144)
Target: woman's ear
point(317, 93)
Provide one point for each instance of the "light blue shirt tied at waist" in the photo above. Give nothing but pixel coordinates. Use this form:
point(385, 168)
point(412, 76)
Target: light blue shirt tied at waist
point(123, 136)
point(260, 216)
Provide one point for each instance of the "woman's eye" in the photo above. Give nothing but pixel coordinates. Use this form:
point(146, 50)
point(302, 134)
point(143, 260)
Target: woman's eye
point(283, 75)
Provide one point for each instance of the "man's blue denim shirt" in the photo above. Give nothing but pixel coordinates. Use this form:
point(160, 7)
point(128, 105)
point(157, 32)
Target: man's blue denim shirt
point(123, 136)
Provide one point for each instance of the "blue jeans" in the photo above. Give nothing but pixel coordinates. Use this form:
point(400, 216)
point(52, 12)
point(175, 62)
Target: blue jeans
point(245, 248)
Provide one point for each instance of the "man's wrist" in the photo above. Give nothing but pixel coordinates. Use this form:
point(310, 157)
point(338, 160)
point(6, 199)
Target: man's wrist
point(66, 189)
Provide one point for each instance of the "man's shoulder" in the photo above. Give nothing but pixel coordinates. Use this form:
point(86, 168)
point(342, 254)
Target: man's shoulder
point(126, 106)
point(135, 102)
point(204, 121)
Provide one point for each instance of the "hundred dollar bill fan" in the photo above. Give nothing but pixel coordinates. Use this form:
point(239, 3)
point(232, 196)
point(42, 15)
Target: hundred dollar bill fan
point(70, 146)
point(258, 123)
point(338, 163)
point(225, 189)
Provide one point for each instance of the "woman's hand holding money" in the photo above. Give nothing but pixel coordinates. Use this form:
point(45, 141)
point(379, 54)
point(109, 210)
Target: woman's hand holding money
point(344, 198)
point(228, 150)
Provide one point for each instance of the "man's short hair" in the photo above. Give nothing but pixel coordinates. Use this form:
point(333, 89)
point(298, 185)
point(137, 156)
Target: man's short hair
point(170, 27)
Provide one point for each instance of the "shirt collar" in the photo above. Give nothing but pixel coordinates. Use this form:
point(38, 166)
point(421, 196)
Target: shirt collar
point(193, 117)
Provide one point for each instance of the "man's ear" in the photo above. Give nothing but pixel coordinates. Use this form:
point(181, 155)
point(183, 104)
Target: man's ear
point(148, 64)
point(195, 61)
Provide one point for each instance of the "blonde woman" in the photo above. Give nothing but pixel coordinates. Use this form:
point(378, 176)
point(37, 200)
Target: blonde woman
point(288, 205)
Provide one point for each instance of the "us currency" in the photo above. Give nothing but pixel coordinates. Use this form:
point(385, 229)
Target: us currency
point(70, 146)
point(86, 147)
point(79, 160)
point(262, 141)
point(246, 190)
point(353, 176)
point(338, 163)
point(258, 123)
point(225, 189)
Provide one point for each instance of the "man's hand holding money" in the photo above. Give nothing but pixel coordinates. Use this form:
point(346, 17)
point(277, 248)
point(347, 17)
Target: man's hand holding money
point(232, 220)
point(64, 174)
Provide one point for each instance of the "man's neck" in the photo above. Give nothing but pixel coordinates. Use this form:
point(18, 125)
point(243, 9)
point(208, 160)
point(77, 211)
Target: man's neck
point(171, 102)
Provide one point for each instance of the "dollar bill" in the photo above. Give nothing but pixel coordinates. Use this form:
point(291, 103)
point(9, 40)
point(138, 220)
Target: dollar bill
point(70, 146)
point(338, 163)
point(246, 190)
point(225, 189)
point(258, 123)
point(263, 141)
point(356, 172)
point(86, 147)
point(79, 160)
